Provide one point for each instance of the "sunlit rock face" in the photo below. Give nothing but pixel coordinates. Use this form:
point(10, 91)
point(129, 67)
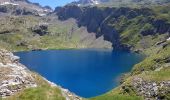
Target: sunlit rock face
point(91, 2)
point(88, 2)
point(23, 7)
point(119, 3)
point(14, 76)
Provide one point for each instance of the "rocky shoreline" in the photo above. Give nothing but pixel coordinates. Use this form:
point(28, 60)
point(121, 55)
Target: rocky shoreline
point(65, 92)
point(15, 77)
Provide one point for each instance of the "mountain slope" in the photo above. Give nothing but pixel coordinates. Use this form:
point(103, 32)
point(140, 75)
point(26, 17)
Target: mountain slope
point(120, 3)
point(124, 27)
point(143, 30)
point(23, 7)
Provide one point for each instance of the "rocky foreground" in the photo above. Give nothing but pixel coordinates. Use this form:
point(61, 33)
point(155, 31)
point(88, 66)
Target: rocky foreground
point(15, 77)
point(151, 90)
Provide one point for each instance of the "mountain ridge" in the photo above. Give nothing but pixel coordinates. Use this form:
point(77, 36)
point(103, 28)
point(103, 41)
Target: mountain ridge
point(20, 6)
point(119, 3)
point(101, 21)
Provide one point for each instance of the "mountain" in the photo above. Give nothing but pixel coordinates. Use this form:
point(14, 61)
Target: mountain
point(141, 26)
point(118, 3)
point(23, 7)
point(137, 29)
point(112, 23)
point(88, 2)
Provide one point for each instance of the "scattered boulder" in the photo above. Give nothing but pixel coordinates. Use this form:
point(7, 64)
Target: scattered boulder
point(158, 43)
point(40, 29)
point(152, 89)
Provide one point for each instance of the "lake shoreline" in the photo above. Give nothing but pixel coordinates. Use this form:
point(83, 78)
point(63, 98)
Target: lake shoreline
point(79, 51)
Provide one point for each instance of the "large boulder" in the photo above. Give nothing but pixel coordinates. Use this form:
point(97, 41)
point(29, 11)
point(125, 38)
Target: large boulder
point(40, 29)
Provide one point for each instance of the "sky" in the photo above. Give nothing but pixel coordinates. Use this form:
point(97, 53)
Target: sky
point(52, 3)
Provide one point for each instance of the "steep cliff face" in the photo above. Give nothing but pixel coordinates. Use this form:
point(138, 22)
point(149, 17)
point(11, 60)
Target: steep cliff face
point(92, 18)
point(119, 3)
point(117, 25)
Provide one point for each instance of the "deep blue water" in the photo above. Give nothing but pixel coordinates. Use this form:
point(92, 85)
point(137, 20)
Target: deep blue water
point(86, 72)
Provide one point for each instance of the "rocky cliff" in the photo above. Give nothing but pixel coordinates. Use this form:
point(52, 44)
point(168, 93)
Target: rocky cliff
point(14, 76)
point(120, 3)
point(113, 22)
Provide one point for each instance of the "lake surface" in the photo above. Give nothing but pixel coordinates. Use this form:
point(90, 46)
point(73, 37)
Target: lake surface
point(86, 72)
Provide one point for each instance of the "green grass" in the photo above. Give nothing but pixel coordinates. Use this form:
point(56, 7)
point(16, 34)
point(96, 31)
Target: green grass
point(158, 76)
point(43, 92)
point(116, 97)
point(20, 32)
point(162, 12)
point(118, 94)
point(155, 60)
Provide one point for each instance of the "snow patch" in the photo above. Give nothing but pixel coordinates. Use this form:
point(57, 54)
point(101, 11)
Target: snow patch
point(42, 14)
point(95, 2)
point(168, 39)
point(9, 3)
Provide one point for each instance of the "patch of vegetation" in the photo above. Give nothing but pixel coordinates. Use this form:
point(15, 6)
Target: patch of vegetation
point(44, 91)
point(158, 76)
point(16, 34)
point(118, 94)
point(153, 62)
point(155, 66)
point(116, 97)
point(162, 12)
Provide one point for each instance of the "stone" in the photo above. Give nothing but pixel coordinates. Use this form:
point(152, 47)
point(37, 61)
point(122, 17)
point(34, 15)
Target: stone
point(150, 90)
point(17, 77)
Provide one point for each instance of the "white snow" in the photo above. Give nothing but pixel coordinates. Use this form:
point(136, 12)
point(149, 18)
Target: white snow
point(45, 10)
point(79, 5)
point(9, 3)
point(95, 2)
point(168, 39)
point(42, 14)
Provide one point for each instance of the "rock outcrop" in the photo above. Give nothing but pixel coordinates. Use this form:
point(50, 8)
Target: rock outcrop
point(40, 29)
point(14, 76)
point(151, 90)
point(101, 20)
point(112, 22)
point(119, 2)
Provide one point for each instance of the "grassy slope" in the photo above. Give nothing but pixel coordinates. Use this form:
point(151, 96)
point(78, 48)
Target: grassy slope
point(163, 74)
point(43, 92)
point(154, 61)
point(157, 57)
point(18, 30)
